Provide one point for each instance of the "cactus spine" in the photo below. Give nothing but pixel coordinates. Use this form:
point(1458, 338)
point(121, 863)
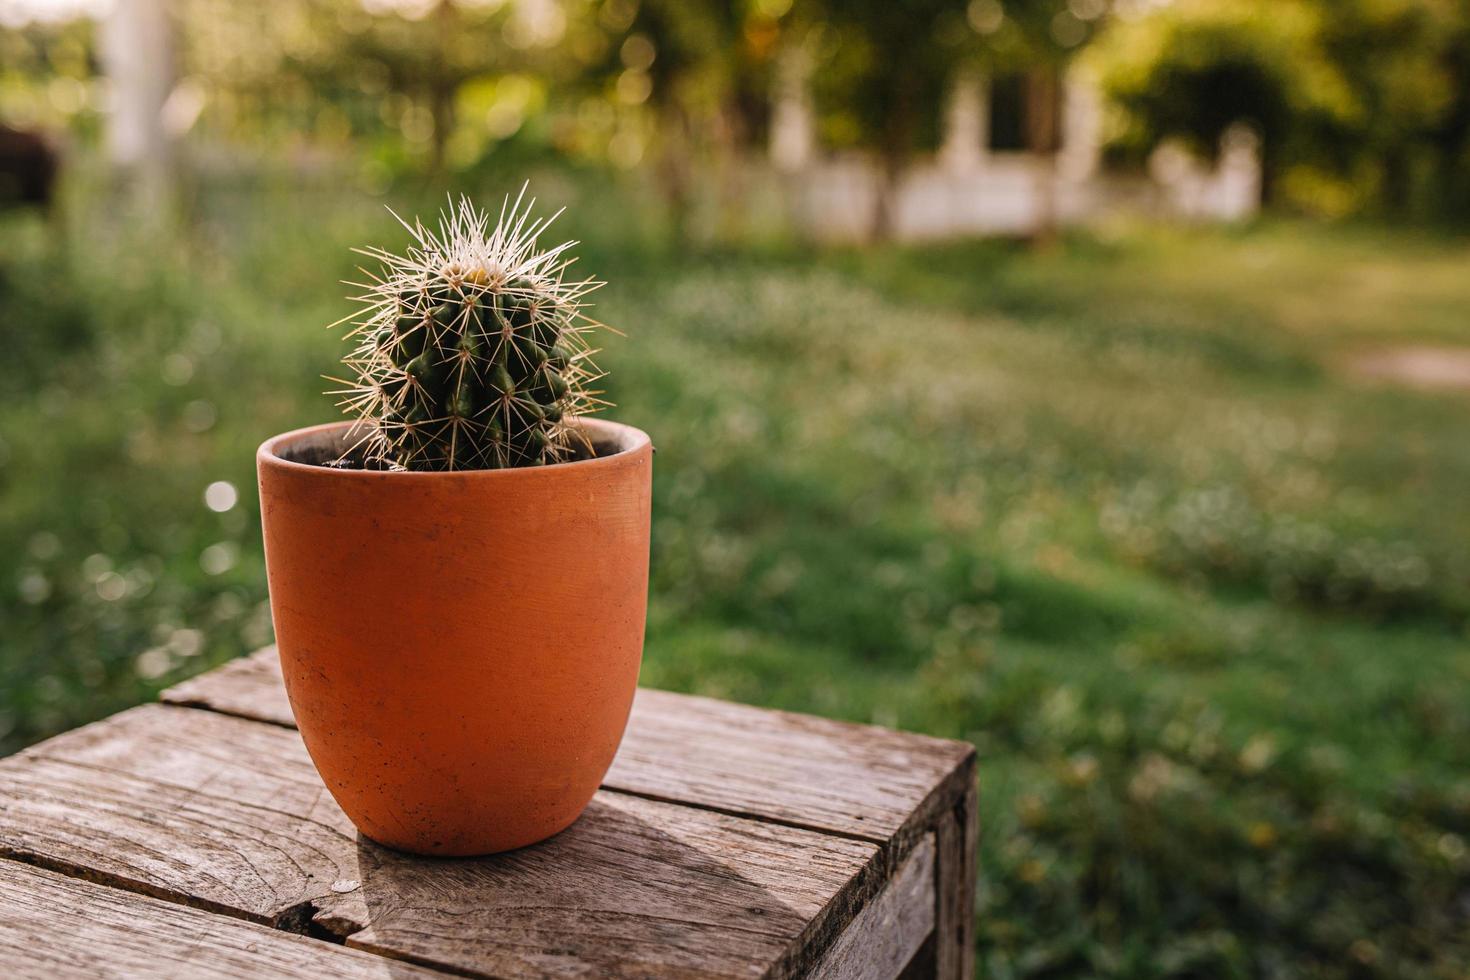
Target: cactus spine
point(471, 348)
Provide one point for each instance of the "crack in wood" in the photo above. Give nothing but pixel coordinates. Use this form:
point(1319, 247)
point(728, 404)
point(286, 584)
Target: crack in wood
point(746, 814)
point(104, 879)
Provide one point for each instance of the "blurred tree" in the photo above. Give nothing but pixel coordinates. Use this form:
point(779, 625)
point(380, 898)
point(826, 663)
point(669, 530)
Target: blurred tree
point(1451, 137)
point(1405, 63)
point(398, 64)
point(882, 72)
point(1047, 35)
point(1189, 73)
point(702, 69)
point(1359, 103)
point(48, 74)
point(427, 58)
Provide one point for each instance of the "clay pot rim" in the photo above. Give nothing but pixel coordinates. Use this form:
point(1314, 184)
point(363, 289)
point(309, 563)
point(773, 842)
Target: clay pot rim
point(628, 439)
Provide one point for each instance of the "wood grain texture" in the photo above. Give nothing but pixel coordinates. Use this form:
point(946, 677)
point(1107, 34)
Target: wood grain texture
point(229, 815)
point(890, 930)
point(957, 836)
point(636, 889)
point(967, 873)
point(866, 782)
point(54, 928)
point(250, 687)
point(216, 812)
point(856, 780)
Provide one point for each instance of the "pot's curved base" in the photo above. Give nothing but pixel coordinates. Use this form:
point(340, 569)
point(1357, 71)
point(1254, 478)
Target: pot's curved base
point(462, 848)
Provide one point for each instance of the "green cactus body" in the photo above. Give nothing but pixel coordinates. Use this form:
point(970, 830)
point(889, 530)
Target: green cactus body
point(471, 349)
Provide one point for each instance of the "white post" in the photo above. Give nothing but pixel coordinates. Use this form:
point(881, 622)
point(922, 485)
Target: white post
point(966, 122)
point(1239, 173)
point(793, 139)
point(1082, 110)
point(136, 48)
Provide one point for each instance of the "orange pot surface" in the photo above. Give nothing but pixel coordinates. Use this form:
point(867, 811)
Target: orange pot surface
point(460, 649)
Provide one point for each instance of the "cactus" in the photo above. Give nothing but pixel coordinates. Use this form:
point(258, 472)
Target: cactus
point(471, 349)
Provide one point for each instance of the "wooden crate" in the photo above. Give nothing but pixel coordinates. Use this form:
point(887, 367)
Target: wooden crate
point(195, 838)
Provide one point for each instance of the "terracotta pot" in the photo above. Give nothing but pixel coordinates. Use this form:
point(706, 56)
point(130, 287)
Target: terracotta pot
point(460, 649)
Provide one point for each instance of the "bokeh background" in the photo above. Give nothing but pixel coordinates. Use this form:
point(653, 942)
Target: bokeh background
point(1084, 379)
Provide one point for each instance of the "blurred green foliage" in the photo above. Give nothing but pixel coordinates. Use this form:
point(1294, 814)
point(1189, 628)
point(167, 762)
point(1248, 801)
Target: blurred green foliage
point(1114, 513)
point(1363, 105)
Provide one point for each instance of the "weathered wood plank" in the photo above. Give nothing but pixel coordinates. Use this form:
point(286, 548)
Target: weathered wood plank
point(948, 955)
point(967, 873)
point(216, 812)
point(53, 927)
point(228, 814)
point(866, 782)
point(857, 780)
point(886, 934)
point(957, 835)
point(248, 687)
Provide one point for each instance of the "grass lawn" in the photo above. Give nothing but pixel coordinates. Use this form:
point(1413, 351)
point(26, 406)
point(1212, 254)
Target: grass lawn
point(1112, 513)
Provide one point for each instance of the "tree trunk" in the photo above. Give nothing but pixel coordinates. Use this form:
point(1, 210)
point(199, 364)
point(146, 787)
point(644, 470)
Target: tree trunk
point(731, 145)
point(1396, 182)
point(674, 169)
point(441, 110)
point(442, 86)
point(885, 207)
point(897, 140)
point(1042, 118)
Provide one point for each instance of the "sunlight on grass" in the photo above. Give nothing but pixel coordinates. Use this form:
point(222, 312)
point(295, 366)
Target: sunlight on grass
point(1110, 513)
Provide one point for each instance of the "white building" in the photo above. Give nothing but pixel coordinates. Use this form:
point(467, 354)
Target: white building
point(984, 180)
